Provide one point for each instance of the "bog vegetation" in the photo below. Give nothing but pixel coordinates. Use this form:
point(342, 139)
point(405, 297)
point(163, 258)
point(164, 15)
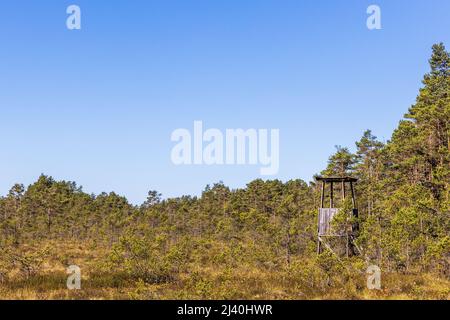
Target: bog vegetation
point(258, 242)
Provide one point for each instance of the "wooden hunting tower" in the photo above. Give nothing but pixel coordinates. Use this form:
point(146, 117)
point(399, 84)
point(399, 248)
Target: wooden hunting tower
point(328, 235)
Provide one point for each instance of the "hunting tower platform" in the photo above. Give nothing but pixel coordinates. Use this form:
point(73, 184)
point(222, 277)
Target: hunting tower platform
point(329, 236)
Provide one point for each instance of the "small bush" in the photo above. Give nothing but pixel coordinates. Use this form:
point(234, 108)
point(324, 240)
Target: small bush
point(28, 263)
point(145, 259)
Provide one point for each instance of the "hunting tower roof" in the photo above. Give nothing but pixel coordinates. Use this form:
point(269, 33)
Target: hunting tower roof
point(337, 179)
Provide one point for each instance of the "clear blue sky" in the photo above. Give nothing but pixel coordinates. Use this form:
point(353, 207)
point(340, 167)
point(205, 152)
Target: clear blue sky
point(98, 106)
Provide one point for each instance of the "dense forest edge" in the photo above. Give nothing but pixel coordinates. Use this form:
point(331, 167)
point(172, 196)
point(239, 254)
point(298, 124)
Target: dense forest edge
point(258, 242)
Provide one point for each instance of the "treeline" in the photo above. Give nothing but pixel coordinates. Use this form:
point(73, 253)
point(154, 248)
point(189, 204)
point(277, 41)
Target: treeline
point(403, 196)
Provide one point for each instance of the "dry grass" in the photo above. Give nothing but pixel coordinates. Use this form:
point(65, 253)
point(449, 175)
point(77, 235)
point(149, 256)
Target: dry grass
point(208, 282)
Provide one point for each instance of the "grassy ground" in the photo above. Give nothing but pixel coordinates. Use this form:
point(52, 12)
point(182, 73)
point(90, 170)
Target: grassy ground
point(206, 282)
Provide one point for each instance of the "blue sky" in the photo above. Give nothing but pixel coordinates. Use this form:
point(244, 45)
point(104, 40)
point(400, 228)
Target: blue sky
point(98, 105)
